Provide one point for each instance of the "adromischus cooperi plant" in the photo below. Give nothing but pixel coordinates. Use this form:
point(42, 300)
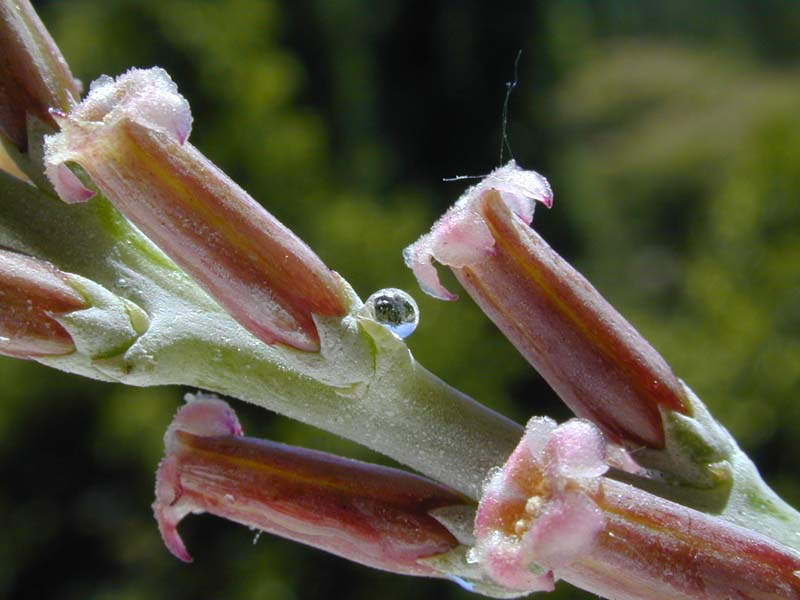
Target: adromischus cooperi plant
point(221, 296)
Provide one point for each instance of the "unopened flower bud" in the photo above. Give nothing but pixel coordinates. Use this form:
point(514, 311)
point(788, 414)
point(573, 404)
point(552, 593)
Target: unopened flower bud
point(129, 136)
point(34, 77)
point(592, 357)
point(32, 293)
point(374, 515)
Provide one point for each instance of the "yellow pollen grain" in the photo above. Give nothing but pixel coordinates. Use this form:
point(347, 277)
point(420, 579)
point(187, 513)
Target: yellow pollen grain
point(521, 526)
point(534, 505)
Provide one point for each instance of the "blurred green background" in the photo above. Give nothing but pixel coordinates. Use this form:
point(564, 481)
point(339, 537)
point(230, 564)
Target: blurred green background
point(670, 133)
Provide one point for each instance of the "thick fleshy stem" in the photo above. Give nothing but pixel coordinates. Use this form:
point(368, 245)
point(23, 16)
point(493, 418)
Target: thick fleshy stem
point(364, 384)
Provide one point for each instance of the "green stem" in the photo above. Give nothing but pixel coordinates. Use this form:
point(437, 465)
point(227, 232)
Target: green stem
point(363, 385)
point(704, 468)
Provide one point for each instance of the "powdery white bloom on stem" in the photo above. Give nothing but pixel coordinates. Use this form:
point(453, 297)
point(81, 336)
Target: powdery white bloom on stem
point(591, 356)
point(373, 515)
point(130, 137)
point(552, 513)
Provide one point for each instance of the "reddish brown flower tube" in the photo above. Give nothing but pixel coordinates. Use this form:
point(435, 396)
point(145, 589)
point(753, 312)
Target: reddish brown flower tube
point(32, 291)
point(369, 514)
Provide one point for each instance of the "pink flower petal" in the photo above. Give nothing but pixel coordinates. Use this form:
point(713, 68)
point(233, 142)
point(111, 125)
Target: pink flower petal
point(67, 185)
point(419, 258)
point(460, 238)
point(507, 566)
point(146, 96)
point(568, 529)
point(166, 508)
point(520, 189)
point(577, 449)
point(206, 416)
point(538, 432)
point(202, 415)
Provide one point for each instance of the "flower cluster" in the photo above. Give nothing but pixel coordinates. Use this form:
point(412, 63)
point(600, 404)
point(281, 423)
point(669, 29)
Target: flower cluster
point(155, 268)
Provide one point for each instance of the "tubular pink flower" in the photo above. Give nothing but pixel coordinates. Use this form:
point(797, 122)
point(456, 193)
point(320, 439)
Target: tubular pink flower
point(34, 77)
point(461, 237)
point(591, 356)
point(538, 509)
point(550, 514)
point(32, 292)
point(369, 514)
point(129, 136)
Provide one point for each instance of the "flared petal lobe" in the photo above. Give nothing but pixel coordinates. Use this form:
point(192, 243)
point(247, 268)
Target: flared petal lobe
point(461, 237)
point(373, 515)
point(129, 136)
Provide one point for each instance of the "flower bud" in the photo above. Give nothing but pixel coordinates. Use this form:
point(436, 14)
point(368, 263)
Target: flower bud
point(32, 292)
point(129, 136)
point(550, 514)
point(592, 357)
point(374, 515)
point(34, 77)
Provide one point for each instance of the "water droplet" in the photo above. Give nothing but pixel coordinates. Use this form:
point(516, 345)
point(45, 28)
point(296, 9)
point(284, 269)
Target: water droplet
point(229, 498)
point(256, 536)
point(122, 283)
point(395, 310)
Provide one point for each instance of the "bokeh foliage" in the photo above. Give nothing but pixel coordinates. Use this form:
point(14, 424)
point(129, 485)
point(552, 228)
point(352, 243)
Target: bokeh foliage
point(670, 134)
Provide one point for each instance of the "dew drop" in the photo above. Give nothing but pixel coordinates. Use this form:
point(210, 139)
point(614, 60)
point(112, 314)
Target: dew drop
point(395, 310)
